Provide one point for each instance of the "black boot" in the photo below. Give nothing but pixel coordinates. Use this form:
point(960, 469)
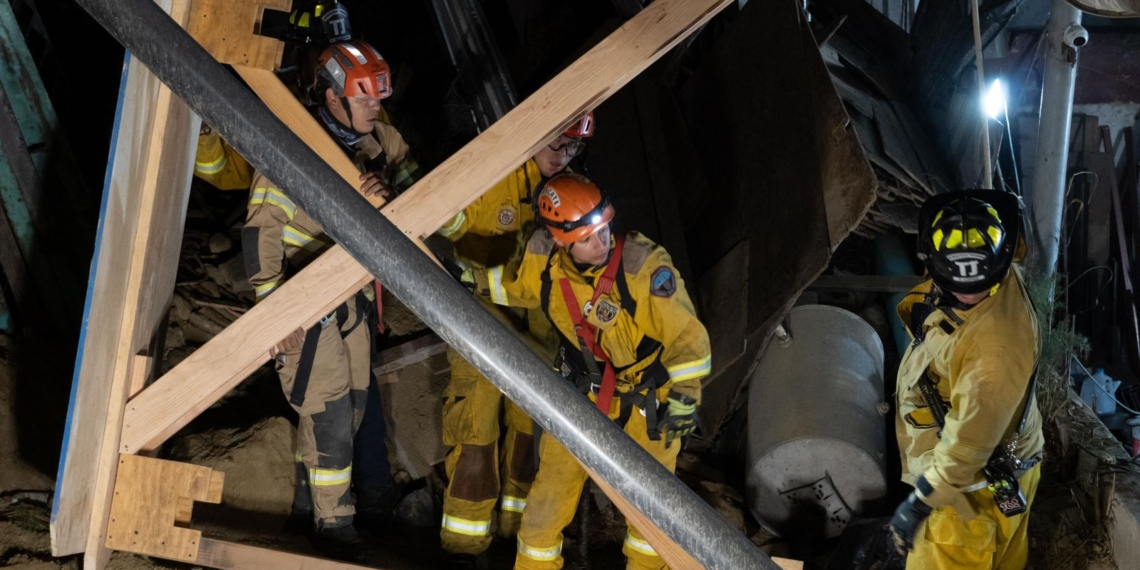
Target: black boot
point(338, 539)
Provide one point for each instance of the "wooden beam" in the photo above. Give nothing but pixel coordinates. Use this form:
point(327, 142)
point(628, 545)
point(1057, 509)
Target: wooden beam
point(866, 283)
point(228, 555)
point(151, 496)
point(200, 380)
point(132, 279)
point(151, 270)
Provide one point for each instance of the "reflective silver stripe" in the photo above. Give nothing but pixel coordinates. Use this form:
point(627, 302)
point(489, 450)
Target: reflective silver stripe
point(513, 504)
point(264, 289)
point(330, 477)
point(454, 226)
point(540, 554)
point(690, 370)
point(212, 167)
point(273, 197)
point(498, 294)
point(639, 545)
point(466, 527)
point(301, 240)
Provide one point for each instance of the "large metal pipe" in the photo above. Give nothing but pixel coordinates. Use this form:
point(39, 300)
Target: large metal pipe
point(816, 437)
point(1063, 36)
point(195, 76)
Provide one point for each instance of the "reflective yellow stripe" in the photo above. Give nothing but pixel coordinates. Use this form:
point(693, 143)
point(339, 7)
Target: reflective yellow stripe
point(540, 554)
point(298, 457)
point(274, 197)
point(330, 477)
point(212, 167)
point(466, 527)
point(498, 294)
point(301, 240)
point(456, 223)
point(690, 370)
point(639, 545)
point(513, 504)
point(264, 289)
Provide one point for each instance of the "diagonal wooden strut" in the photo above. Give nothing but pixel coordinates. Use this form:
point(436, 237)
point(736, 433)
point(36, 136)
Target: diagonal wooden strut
point(214, 369)
point(175, 399)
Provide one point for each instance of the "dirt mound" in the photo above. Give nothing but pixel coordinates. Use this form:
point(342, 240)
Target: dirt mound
point(257, 461)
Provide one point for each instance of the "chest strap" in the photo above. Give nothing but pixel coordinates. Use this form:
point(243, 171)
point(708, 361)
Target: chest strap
point(587, 334)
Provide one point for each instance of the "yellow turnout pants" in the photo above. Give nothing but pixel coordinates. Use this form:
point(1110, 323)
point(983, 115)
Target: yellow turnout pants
point(479, 472)
point(554, 498)
point(331, 410)
point(989, 542)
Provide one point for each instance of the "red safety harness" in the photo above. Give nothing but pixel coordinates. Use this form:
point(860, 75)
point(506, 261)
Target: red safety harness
point(588, 334)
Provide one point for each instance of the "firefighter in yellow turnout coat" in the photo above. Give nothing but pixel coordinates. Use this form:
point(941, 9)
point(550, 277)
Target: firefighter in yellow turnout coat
point(645, 332)
point(487, 234)
point(974, 350)
point(325, 373)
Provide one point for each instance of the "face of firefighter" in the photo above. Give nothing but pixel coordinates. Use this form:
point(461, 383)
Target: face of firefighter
point(973, 299)
point(556, 154)
point(365, 111)
point(593, 250)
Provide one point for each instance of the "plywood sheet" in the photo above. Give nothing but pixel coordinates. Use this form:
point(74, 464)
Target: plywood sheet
point(226, 28)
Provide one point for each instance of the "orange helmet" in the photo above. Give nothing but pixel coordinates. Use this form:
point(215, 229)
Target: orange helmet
point(354, 69)
point(583, 128)
point(573, 208)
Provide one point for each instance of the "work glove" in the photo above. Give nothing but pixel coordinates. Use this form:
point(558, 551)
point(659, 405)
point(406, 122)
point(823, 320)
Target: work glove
point(680, 418)
point(909, 516)
point(464, 275)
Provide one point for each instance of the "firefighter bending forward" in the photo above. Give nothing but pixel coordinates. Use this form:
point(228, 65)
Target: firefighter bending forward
point(487, 234)
point(968, 426)
point(326, 373)
point(629, 340)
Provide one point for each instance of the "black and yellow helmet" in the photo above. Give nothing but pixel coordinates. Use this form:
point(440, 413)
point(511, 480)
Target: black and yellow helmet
point(968, 238)
point(320, 23)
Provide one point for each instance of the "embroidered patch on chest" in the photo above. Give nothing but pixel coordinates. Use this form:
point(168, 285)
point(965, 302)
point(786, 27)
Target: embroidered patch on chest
point(663, 283)
point(507, 216)
point(605, 311)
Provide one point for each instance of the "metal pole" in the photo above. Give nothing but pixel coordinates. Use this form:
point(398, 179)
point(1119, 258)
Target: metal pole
point(195, 76)
point(1063, 35)
point(987, 167)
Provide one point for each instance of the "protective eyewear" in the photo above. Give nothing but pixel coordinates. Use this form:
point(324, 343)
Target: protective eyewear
point(573, 147)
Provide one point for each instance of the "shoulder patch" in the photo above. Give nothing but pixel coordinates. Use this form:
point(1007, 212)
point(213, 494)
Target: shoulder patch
point(540, 242)
point(637, 250)
point(663, 283)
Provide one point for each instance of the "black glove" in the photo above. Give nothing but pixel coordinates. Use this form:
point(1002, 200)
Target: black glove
point(909, 516)
point(680, 418)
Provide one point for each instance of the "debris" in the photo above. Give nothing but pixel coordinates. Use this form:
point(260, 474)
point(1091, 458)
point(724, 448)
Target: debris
point(417, 510)
point(220, 243)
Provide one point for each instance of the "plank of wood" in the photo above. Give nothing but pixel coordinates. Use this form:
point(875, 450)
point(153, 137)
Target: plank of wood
point(285, 105)
point(140, 371)
point(226, 28)
point(200, 380)
point(151, 496)
point(132, 281)
point(673, 555)
point(866, 283)
point(232, 556)
point(409, 353)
